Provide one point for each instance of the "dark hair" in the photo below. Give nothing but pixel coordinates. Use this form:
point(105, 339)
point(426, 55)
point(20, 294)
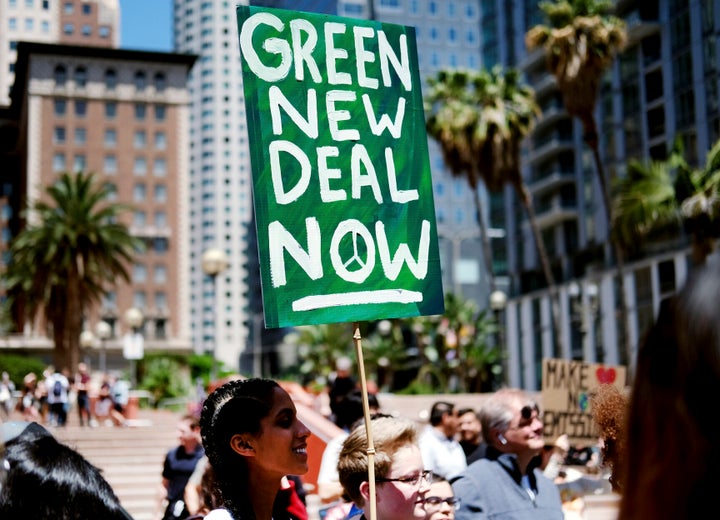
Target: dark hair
point(463, 411)
point(48, 479)
point(350, 408)
point(235, 407)
point(671, 465)
point(439, 409)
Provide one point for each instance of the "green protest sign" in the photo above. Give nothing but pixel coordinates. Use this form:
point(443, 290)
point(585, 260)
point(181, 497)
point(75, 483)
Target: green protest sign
point(341, 175)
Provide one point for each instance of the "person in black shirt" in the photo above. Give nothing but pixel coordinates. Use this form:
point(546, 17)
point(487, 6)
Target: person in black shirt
point(179, 464)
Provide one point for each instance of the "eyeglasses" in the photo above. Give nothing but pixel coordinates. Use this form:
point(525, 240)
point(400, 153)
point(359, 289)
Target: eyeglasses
point(414, 480)
point(453, 502)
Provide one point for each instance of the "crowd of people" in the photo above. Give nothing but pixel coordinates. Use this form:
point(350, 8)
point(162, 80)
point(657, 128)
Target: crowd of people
point(242, 457)
point(99, 401)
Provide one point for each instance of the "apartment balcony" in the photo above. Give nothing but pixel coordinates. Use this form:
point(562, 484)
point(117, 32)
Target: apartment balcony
point(151, 231)
point(551, 114)
point(546, 84)
point(637, 28)
point(555, 212)
point(550, 182)
point(549, 146)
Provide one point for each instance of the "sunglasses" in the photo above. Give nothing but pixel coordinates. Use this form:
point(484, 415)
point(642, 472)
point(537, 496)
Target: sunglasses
point(453, 502)
point(527, 411)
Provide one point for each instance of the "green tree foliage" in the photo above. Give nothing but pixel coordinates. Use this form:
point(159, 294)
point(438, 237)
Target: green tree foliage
point(658, 196)
point(72, 249)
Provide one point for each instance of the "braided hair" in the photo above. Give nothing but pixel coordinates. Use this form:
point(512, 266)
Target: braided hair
point(235, 407)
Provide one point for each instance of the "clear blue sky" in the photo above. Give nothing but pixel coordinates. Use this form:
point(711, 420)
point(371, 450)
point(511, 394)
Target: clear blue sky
point(146, 25)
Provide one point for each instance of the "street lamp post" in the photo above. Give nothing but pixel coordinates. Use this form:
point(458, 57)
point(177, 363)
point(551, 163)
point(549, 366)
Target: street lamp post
point(133, 344)
point(87, 339)
point(103, 332)
point(498, 301)
point(214, 261)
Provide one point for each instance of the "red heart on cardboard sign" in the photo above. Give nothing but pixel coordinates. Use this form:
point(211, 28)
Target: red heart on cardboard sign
point(605, 375)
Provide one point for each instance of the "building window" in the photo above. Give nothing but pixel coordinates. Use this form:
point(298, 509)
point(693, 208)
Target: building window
point(160, 141)
point(80, 136)
point(160, 219)
point(139, 220)
point(60, 107)
point(86, 8)
point(140, 140)
point(59, 135)
point(110, 110)
point(140, 166)
point(111, 191)
point(80, 108)
point(140, 80)
point(160, 81)
point(59, 162)
point(140, 110)
point(29, 24)
point(68, 29)
point(161, 300)
point(160, 273)
point(110, 79)
point(159, 112)
point(110, 138)
point(110, 165)
point(160, 167)
point(104, 31)
point(160, 193)
point(60, 75)
point(86, 30)
point(68, 8)
point(160, 245)
point(80, 76)
point(79, 163)
point(45, 27)
point(139, 299)
point(139, 270)
point(139, 192)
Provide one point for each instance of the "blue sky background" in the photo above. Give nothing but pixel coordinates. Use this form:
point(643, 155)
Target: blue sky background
point(146, 25)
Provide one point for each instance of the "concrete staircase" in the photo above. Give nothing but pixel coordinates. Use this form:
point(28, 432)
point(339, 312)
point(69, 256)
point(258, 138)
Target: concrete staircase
point(130, 458)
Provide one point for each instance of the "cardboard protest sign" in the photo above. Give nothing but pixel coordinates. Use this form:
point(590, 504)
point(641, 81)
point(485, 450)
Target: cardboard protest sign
point(566, 390)
point(341, 175)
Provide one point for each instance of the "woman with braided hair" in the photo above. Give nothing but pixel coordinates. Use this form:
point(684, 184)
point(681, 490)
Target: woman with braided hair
point(253, 439)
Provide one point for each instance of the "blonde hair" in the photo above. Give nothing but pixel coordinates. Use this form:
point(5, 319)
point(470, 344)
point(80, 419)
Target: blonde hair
point(389, 435)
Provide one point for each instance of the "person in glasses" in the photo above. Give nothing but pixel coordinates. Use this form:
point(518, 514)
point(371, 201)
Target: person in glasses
point(253, 439)
point(508, 483)
point(43, 478)
point(440, 502)
point(401, 482)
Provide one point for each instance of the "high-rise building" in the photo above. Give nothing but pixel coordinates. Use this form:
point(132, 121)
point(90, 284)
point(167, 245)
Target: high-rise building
point(662, 86)
point(221, 212)
point(122, 115)
point(80, 22)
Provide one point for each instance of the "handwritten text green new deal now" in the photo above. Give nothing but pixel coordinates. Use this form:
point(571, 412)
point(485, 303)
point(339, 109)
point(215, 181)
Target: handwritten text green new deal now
point(295, 50)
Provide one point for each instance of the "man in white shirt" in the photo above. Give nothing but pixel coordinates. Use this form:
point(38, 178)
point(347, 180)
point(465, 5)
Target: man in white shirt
point(441, 451)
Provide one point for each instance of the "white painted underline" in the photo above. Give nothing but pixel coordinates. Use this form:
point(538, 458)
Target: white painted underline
point(322, 301)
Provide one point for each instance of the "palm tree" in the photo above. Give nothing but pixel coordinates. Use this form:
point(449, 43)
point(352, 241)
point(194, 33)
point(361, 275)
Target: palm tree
point(580, 43)
point(479, 119)
point(72, 248)
point(661, 194)
point(697, 191)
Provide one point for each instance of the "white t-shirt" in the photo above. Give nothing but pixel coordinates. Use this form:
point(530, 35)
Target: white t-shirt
point(441, 455)
point(219, 514)
point(328, 464)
